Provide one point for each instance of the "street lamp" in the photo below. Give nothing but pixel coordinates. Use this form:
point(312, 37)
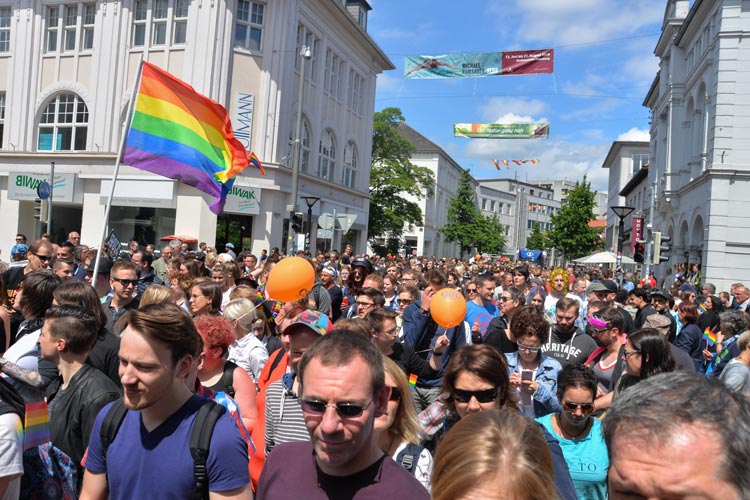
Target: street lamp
point(310, 201)
point(621, 212)
point(305, 54)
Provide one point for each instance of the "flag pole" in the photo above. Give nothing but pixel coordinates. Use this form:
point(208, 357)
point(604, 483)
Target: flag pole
point(126, 127)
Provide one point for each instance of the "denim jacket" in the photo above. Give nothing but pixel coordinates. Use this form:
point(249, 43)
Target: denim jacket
point(545, 397)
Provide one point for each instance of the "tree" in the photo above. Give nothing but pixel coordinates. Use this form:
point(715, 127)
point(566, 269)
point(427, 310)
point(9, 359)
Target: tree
point(537, 240)
point(394, 181)
point(465, 222)
point(570, 230)
point(491, 237)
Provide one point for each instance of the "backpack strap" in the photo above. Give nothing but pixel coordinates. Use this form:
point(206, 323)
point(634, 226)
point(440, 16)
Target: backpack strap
point(200, 441)
point(228, 378)
point(409, 456)
point(111, 424)
point(277, 359)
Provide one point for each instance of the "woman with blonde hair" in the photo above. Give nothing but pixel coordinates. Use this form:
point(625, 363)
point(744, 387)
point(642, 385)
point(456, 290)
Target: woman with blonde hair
point(156, 294)
point(247, 351)
point(397, 430)
point(490, 452)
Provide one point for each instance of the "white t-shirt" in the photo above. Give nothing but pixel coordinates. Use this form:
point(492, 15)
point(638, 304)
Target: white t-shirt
point(423, 471)
point(11, 454)
point(25, 353)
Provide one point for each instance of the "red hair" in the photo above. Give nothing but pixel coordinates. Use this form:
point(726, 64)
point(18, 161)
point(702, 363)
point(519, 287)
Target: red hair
point(215, 331)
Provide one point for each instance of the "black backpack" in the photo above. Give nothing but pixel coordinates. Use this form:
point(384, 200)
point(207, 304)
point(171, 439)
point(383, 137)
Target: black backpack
point(200, 438)
point(228, 378)
point(409, 456)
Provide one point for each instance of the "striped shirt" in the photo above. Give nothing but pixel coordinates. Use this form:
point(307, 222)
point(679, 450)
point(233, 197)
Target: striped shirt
point(285, 422)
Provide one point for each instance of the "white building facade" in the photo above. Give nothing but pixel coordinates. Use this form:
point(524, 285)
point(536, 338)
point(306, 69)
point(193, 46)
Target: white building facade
point(67, 73)
point(700, 133)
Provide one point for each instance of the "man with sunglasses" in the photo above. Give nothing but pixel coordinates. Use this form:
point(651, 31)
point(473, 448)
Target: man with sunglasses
point(39, 256)
point(343, 389)
point(123, 278)
point(498, 335)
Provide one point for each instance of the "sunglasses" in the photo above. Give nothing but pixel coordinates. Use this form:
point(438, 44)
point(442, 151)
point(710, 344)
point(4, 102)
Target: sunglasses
point(530, 348)
point(484, 396)
point(43, 258)
point(395, 394)
point(503, 299)
point(405, 302)
point(344, 410)
point(471, 290)
point(586, 408)
point(597, 331)
point(125, 282)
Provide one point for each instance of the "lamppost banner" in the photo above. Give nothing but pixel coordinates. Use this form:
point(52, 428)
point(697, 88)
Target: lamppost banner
point(636, 232)
point(501, 131)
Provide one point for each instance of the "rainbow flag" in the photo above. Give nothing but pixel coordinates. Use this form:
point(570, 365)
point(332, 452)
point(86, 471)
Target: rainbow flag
point(412, 381)
point(255, 162)
point(702, 308)
point(180, 134)
point(37, 425)
point(709, 336)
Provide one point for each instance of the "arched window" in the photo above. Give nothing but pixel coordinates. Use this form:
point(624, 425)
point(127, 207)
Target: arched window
point(304, 146)
point(327, 156)
point(63, 125)
point(350, 165)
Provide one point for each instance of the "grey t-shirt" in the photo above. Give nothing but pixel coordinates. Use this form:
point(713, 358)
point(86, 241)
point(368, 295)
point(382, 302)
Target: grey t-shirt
point(569, 349)
point(736, 376)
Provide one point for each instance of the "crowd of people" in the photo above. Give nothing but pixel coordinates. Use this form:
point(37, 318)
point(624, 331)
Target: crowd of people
point(172, 373)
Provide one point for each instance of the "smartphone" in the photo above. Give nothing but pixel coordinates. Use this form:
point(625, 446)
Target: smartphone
point(526, 374)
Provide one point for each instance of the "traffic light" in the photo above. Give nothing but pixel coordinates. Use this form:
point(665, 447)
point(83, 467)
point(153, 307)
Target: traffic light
point(41, 210)
point(297, 222)
point(662, 247)
point(639, 251)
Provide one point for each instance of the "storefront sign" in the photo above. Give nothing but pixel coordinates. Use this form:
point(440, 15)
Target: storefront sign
point(242, 122)
point(243, 200)
point(636, 232)
point(139, 193)
point(22, 186)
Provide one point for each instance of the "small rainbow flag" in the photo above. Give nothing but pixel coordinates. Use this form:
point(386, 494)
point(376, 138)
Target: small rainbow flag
point(37, 425)
point(702, 307)
point(412, 381)
point(180, 134)
point(255, 162)
point(709, 336)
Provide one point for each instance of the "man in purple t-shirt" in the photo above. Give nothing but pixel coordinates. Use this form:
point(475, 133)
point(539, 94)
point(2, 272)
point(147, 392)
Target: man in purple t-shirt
point(343, 389)
point(149, 457)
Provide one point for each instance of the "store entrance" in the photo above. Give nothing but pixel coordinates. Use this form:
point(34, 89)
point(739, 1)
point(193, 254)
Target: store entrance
point(237, 229)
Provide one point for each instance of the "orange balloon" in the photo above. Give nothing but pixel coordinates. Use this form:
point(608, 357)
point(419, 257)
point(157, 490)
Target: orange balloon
point(290, 279)
point(448, 307)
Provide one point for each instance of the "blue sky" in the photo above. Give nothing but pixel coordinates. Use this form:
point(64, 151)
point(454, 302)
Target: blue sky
point(604, 65)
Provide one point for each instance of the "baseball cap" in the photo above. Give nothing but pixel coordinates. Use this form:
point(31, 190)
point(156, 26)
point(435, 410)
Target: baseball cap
point(659, 322)
point(610, 285)
point(361, 262)
point(19, 248)
point(661, 293)
point(229, 245)
point(314, 320)
point(596, 287)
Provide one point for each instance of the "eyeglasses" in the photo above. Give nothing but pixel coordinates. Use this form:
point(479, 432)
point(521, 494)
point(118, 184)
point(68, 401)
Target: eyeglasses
point(586, 408)
point(395, 394)
point(484, 396)
point(344, 410)
point(405, 302)
point(628, 353)
point(19, 239)
point(125, 282)
point(365, 304)
point(530, 348)
point(43, 258)
point(471, 290)
point(597, 331)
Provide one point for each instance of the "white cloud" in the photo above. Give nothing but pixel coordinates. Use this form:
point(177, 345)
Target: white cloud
point(635, 134)
point(388, 82)
point(496, 108)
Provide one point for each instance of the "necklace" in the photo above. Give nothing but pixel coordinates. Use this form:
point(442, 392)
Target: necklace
point(570, 435)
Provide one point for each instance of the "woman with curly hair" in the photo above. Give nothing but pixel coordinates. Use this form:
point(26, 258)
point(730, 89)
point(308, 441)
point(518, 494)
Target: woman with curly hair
point(219, 374)
point(559, 283)
point(397, 430)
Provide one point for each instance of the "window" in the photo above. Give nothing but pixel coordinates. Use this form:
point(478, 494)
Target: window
point(159, 22)
point(53, 19)
point(5, 14)
point(327, 156)
point(307, 38)
point(304, 146)
point(179, 29)
point(249, 27)
point(638, 161)
point(356, 86)
point(332, 83)
point(2, 117)
point(350, 165)
point(69, 29)
point(89, 19)
point(140, 15)
point(484, 203)
point(64, 124)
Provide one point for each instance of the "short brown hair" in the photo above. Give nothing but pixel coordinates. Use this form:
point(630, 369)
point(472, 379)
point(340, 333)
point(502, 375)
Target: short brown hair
point(122, 264)
point(168, 324)
point(74, 324)
point(530, 320)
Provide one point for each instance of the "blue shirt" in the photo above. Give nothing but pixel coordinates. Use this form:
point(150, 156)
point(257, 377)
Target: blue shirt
point(158, 464)
point(482, 315)
point(587, 460)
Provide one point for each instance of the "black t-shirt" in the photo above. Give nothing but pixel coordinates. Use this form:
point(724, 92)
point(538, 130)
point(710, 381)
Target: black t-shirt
point(497, 337)
point(408, 360)
point(336, 297)
point(104, 355)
